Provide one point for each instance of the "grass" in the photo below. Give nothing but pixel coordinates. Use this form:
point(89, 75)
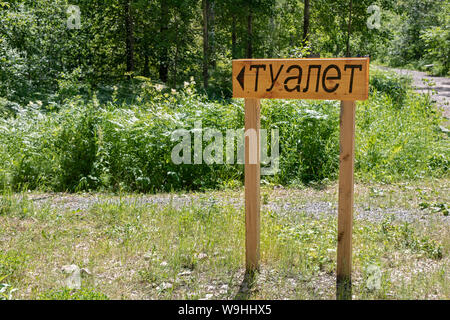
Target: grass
point(191, 245)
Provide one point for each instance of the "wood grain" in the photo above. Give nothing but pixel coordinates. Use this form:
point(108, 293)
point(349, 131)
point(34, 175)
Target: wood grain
point(345, 206)
point(329, 79)
point(252, 187)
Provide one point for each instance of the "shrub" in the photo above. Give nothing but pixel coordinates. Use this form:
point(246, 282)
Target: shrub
point(309, 138)
point(437, 43)
point(394, 144)
point(391, 84)
point(92, 146)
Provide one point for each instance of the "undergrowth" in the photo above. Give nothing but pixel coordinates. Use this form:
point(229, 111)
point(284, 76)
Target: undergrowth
point(88, 145)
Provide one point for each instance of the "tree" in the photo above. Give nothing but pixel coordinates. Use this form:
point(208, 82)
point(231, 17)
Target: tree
point(349, 28)
point(306, 21)
point(249, 51)
point(206, 9)
point(163, 34)
point(129, 35)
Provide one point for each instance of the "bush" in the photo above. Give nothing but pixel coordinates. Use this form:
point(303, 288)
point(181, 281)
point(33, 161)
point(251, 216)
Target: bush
point(394, 144)
point(114, 146)
point(309, 138)
point(437, 43)
point(7, 108)
point(391, 84)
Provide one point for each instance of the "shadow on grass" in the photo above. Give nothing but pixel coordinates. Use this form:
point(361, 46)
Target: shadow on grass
point(245, 289)
point(344, 289)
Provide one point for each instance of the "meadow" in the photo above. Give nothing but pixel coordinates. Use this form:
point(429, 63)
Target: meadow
point(191, 245)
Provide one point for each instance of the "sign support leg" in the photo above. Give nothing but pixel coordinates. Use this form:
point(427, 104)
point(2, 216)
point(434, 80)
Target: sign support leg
point(252, 180)
point(345, 207)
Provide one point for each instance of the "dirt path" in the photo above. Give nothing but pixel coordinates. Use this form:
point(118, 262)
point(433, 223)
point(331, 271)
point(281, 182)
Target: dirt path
point(440, 84)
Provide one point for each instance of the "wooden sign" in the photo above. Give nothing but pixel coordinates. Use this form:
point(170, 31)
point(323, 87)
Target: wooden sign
point(345, 79)
point(324, 79)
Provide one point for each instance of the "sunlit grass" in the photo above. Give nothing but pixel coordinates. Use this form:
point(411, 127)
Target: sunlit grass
point(191, 246)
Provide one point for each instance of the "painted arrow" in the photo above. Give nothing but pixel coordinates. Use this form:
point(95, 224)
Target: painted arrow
point(240, 77)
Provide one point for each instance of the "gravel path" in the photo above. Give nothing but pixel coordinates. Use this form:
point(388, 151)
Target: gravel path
point(317, 209)
point(440, 84)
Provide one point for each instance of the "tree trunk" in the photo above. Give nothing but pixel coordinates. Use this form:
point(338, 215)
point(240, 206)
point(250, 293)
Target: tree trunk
point(273, 37)
point(349, 31)
point(249, 54)
point(146, 65)
point(212, 35)
point(306, 21)
point(233, 38)
point(129, 39)
point(163, 55)
point(177, 47)
point(206, 10)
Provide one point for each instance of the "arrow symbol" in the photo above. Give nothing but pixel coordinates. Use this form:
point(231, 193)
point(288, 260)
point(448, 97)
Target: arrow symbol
point(240, 77)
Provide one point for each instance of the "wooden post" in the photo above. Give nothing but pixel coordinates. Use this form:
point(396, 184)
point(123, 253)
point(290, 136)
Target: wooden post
point(345, 209)
point(345, 79)
point(252, 178)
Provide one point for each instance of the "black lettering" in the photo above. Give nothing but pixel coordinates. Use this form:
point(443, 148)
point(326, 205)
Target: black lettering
point(353, 67)
point(325, 78)
point(299, 78)
point(309, 74)
point(257, 67)
point(276, 77)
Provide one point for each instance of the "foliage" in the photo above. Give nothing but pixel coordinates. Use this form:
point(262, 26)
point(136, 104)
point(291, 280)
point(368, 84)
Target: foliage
point(127, 145)
point(42, 59)
point(393, 139)
point(309, 139)
point(414, 29)
point(437, 42)
point(390, 84)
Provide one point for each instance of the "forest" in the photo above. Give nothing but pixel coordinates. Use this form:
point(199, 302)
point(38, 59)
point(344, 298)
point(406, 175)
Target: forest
point(50, 49)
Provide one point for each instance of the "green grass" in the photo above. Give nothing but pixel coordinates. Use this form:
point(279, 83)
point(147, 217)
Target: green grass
point(191, 245)
point(68, 294)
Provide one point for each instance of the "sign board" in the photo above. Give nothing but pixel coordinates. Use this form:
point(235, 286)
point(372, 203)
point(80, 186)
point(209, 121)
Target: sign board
point(324, 79)
point(345, 79)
